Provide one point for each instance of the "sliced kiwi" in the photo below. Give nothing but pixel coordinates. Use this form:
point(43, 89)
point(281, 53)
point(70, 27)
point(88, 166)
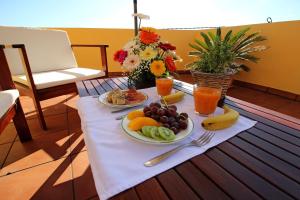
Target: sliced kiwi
point(146, 131)
point(166, 134)
point(154, 133)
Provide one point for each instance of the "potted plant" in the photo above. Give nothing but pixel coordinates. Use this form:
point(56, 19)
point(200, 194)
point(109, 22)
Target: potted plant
point(219, 58)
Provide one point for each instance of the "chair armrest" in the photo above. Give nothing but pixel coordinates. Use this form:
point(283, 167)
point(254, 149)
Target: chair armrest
point(103, 53)
point(25, 62)
point(6, 81)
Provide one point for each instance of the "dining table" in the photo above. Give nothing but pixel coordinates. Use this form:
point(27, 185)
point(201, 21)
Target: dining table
point(262, 162)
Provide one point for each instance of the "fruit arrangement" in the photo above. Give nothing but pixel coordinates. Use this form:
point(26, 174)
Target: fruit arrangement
point(222, 121)
point(167, 116)
point(158, 122)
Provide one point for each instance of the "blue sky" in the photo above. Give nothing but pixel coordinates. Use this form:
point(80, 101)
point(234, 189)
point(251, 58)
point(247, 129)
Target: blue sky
point(163, 13)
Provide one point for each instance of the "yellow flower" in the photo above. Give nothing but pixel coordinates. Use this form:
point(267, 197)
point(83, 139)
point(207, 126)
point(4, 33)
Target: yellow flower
point(149, 29)
point(148, 53)
point(157, 67)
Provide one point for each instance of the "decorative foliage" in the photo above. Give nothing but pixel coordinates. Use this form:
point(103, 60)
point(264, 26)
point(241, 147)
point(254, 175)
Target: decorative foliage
point(146, 57)
point(224, 55)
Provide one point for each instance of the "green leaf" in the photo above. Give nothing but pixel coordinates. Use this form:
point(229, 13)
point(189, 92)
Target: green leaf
point(247, 57)
point(202, 44)
point(212, 36)
point(249, 40)
point(195, 47)
point(219, 32)
point(196, 53)
point(238, 35)
point(227, 36)
point(206, 39)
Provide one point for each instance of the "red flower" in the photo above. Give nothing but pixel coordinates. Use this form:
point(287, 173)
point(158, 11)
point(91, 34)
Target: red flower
point(170, 63)
point(148, 37)
point(166, 46)
point(120, 56)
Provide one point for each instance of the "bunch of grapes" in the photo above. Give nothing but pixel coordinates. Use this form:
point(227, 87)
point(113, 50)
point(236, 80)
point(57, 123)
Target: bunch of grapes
point(167, 116)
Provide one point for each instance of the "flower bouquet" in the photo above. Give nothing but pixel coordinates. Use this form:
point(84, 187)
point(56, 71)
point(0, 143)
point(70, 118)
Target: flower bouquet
point(146, 57)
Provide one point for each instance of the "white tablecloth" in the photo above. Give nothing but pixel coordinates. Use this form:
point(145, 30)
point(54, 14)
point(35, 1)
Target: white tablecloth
point(117, 160)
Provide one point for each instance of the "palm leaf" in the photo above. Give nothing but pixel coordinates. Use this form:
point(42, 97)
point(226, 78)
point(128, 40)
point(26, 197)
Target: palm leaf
point(206, 39)
point(227, 36)
point(238, 35)
point(212, 36)
point(247, 57)
point(202, 44)
point(219, 32)
point(196, 47)
point(196, 53)
point(245, 40)
point(249, 41)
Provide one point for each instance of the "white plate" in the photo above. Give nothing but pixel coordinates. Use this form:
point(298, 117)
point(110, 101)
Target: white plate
point(102, 98)
point(135, 135)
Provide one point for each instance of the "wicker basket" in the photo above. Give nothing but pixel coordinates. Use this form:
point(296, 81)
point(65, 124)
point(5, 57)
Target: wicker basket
point(223, 80)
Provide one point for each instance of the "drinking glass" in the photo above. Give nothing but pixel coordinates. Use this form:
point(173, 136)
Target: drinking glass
point(206, 98)
point(164, 86)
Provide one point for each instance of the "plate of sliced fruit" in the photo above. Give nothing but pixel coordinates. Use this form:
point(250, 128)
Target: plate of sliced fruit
point(123, 98)
point(157, 124)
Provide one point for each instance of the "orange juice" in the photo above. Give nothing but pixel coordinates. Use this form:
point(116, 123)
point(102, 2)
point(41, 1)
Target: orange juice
point(164, 86)
point(206, 99)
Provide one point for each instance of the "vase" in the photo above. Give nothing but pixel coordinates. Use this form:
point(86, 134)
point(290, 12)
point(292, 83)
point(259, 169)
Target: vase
point(144, 81)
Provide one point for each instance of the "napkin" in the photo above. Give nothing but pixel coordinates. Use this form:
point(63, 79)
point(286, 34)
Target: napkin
point(117, 161)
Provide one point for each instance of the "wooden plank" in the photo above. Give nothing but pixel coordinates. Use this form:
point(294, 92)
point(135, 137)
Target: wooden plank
point(104, 85)
point(91, 89)
point(272, 149)
point(200, 183)
point(175, 186)
point(256, 183)
point(82, 91)
point(223, 179)
point(278, 133)
point(122, 80)
point(111, 83)
point(278, 164)
point(271, 175)
point(98, 87)
point(151, 190)
point(275, 140)
point(119, 83)
point(129, 194)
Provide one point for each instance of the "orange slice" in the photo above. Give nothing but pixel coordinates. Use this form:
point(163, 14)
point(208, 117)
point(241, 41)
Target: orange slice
point(139, 122)
point(134, 114)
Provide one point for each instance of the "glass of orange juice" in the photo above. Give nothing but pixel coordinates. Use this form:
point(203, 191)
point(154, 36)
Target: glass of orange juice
point(206, 98)
point(164, 86)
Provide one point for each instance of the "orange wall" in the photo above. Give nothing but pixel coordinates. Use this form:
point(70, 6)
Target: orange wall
point(278, 68)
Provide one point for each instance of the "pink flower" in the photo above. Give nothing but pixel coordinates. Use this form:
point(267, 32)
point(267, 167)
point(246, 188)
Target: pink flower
point(120, 56)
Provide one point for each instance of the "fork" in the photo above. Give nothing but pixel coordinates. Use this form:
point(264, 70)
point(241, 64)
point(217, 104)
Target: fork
point(201, 141)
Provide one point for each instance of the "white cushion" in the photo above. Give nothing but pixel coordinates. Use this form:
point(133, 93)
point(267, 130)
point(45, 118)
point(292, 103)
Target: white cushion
point(47, 50)
point(7, 99)
point(54, 78)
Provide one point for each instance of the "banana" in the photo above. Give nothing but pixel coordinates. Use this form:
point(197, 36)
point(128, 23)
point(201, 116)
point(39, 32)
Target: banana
point(173, 98)
point(222, 121)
